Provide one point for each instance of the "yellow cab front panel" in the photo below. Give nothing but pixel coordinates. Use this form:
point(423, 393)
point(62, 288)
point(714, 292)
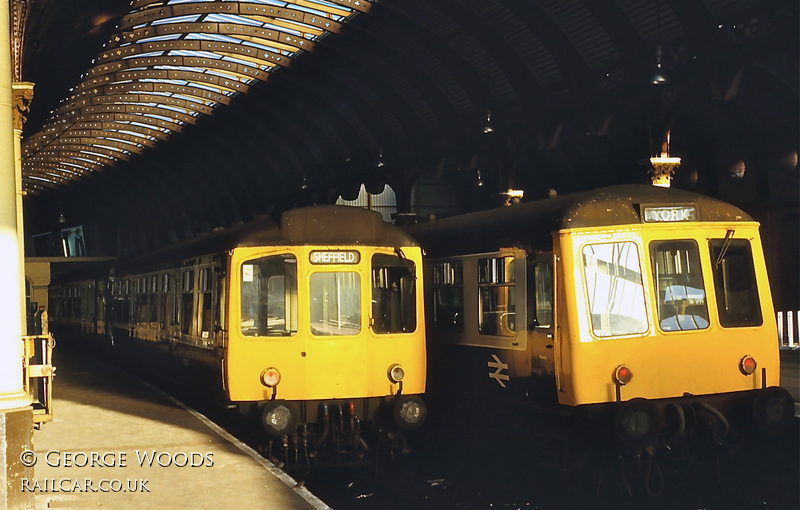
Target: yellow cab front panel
point(327, 322)
point(677, 307)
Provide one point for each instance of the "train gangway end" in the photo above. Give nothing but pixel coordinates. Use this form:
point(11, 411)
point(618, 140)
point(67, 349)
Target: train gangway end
point(117, 442)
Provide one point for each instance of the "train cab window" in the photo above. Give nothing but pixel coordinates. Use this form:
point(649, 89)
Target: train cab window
point(394, 295)
point(448, 296)
point(187, 301)
point(269, 296)
point(614, 289)
point(735, 282)
point(680, 293)
point(496, 314)
point(335, 303)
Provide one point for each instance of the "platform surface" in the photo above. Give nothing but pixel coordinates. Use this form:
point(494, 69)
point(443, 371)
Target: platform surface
point(116, 442)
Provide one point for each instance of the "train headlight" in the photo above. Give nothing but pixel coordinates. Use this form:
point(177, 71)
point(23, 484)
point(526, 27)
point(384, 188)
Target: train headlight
point(396, 373)
point(747, 365)
point(638, 423)
point(410, 412)
point(270, 377)
point(773, 410)
point(277, 419)
point(623, 375)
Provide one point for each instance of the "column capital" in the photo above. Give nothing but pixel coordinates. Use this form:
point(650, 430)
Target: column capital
point(22, 92)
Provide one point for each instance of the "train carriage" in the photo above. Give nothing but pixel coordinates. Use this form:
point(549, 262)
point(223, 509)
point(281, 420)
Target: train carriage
point(316, 325)
point(651, 302)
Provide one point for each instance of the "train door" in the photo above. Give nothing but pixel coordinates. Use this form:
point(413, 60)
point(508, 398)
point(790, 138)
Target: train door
point(539, 295)
point(262, 319)
point(338, 290)
point(480, 300)
point(185, 304)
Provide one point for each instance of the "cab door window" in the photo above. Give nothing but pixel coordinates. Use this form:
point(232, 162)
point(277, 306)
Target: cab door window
point(335, 303)
point(614, 289)
point(540, 292)
point(394, 294)
point(269, 296)
point(680, 293)
point(497, 310)
point(735, 282)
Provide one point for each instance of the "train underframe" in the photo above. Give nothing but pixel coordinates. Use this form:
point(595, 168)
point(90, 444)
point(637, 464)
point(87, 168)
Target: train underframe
point(315, 433)
point(643, 423)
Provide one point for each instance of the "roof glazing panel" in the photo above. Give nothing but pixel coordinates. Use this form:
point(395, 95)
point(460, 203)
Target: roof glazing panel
point(193, 54)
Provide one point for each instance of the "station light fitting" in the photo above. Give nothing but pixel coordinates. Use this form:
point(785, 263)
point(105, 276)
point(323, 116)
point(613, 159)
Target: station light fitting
point(659, 76)
point(487, 126)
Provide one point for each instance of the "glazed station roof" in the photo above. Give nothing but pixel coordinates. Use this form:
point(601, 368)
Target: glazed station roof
point(176, 117)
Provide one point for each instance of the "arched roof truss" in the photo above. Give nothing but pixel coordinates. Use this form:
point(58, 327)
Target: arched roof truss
point(170, 63)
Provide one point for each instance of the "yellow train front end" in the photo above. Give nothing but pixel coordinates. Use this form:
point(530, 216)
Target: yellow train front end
point(671, 317)
point(323, 338)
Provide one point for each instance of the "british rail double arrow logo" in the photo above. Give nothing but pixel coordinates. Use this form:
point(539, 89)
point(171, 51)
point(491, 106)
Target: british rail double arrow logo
point(497, 374)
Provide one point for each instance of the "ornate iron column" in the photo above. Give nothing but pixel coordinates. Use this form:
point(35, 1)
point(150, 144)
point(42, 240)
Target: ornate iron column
point(16, 418)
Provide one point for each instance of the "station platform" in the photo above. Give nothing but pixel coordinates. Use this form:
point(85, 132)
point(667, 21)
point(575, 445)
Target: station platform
point(117, 442)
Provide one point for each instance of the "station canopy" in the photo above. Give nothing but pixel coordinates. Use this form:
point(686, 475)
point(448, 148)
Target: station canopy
point(157, 121)
point(170, 63)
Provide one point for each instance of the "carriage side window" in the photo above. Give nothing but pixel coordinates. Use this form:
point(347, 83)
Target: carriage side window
point(152, 290)
point(335, 303)
point(540, 293)
point(187, 301)
point(735, 282)
point(614, 289)
point(680, 293)
point(448, 296)
point(394, 296)
point(269, 296)
point(220, 300)
point(140, 302)
point(205, 289)
point(496, 313)
point(162, 299)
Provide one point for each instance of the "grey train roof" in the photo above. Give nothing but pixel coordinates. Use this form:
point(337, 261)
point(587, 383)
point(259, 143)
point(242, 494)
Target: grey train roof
point(530, 224)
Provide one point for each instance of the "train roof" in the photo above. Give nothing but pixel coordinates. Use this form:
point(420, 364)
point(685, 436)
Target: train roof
point(530, 224)
point(318, 225)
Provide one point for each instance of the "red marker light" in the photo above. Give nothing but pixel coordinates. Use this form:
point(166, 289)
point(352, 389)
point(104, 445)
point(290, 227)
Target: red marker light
point(623, 375)
point(748, 365)
point(270, 377)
